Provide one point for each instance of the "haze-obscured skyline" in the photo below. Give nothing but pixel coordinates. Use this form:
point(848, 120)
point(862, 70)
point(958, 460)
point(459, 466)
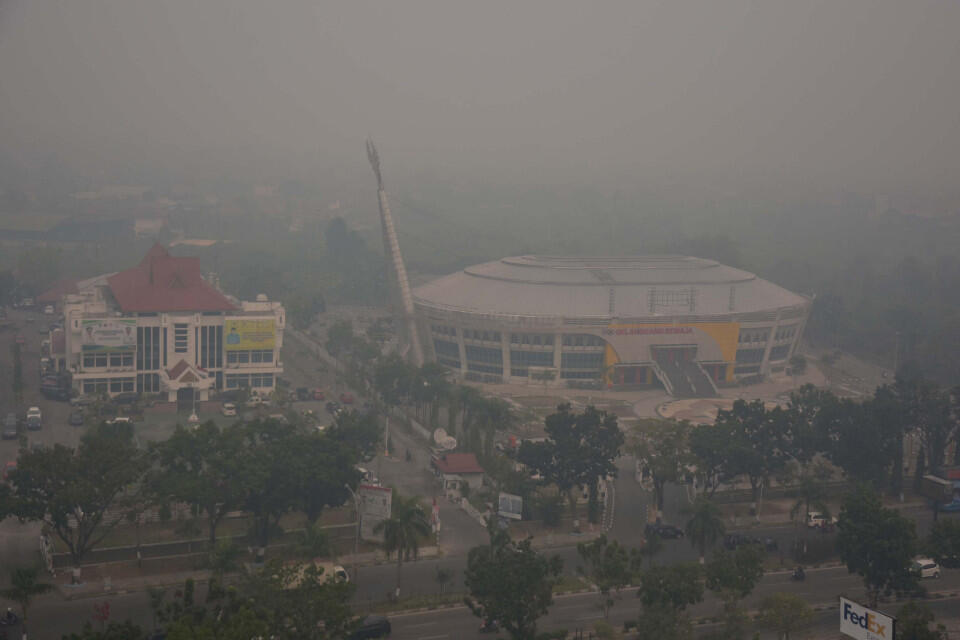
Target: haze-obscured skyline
point(858, 95)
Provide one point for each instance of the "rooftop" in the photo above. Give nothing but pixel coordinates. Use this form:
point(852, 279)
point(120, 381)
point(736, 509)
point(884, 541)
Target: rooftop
point(162, 282)
point(659, 286)
point(458, 463)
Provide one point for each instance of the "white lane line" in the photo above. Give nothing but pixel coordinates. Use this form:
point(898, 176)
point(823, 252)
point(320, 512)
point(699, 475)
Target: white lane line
point(420, 624)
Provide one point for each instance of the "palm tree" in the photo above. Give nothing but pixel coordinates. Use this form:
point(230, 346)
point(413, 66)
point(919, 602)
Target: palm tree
point(705, 525)
point(403, 530)
point(24, 585)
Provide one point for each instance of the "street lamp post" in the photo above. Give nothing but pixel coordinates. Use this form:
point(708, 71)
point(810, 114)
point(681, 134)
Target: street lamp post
point(356, 538)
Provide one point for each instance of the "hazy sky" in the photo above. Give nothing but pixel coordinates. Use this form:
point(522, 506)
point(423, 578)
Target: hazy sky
point(858, 94)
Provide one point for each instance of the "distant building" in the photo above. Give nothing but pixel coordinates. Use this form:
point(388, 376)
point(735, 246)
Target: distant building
point(160, 327)
point(686, 324)
point(458, 469)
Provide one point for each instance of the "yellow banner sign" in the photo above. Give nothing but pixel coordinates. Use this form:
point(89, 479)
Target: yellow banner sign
point(245, 335)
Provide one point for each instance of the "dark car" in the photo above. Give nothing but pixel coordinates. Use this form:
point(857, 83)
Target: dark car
point(124, 399)
point(55, 392)
point(332, 407)
point(372, 627)
point(10, 430)
point(75, 419)
point(667, 531)
point(303, 393)
point(733, 540)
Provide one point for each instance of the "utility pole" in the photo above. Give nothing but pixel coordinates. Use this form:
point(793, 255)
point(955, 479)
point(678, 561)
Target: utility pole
point(356, 538)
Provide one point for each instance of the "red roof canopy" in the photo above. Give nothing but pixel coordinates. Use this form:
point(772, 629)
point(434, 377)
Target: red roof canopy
point(58, 290)
point(162, 282)
point(458, 463)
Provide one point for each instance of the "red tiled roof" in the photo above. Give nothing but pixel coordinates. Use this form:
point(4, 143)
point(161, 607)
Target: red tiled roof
point(179, 368)
point(458, 463)
point(162, 282)
point(58, 290)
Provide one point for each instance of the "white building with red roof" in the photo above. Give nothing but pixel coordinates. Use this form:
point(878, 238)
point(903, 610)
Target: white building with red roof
point(160, 327)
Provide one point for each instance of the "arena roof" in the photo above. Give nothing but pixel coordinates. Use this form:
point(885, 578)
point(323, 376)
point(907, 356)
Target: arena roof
point(605, 287)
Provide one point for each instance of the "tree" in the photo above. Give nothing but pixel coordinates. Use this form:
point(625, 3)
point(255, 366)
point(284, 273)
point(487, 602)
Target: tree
point(674, 586)
point(71, 491)
point(757, 437)
point(785, 613)
point(339, 338)
point(359, 432)
point(732, 575)
point(709, 449)
point(705, 525)
point(608, 567)
point(17, 379)
point(943, 542)
point(113, 631)
point(652, 545)
point(929, 411)
point(403, 530)
point(913, 623)
point(662, 447)
point(580, 450)
point(200, 467)
point(24, 585)
point(876, 543)
point(511, 583)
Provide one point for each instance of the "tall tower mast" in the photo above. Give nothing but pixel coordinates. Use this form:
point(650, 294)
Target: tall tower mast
point(397, 272)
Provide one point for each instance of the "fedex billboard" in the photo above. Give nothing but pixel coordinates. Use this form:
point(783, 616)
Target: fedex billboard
point(862, 623)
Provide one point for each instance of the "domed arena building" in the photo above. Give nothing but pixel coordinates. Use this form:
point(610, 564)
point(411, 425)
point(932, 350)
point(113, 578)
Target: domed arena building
point(687, 324)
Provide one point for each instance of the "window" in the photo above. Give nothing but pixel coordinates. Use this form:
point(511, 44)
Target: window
point(211, 347)
point(243, 357)
point(754, 335)
point(91, 360)
point(261, 356)
point(237, 381)
point(581, 361)
point(750, 355)
point(121, 359)
point(181, 336)
point(261, 380)
point(531, 358)
point(95, 385)
point(519, 373)
point(121, 385)
point(780, 353)
point(484, 355)
point(582, 340)
point(148, 348)
point(148, 383)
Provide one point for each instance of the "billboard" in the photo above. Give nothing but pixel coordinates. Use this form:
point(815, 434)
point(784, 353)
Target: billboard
point(862, 623)
point(109, 334)
point(376, 504)
point(246, 335)
point(510, 506)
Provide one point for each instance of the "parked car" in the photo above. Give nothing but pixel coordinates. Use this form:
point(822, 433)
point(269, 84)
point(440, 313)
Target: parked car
point(10, 424)
point(817, 520)
point(372, 627)
point(303, 393)
point(121, 420)
point(346, 397)
point(253, 401)
point(228, 409)
point(318, 394)
point(48, 310)
point(332, 407)
point(82, 401)
point(124, 399)
point(34, 418)
point(925, 568)
point(55, 392)
point(75, 419)
point(667, 531)
point(733, 540)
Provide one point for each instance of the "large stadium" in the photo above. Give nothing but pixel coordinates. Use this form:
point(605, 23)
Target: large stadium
point(687, 324)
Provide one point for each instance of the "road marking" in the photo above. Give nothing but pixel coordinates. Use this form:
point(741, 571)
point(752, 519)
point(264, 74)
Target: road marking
point(593, 617)
point(421, 624)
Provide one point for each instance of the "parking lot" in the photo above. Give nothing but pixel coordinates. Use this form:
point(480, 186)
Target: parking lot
point(157, 422)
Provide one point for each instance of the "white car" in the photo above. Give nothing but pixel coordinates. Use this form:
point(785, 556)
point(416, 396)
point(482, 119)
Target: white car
point(48, 310)
point(34, 412)
point(228, 409)
point(817, 520)
point(121, 420)
point(254, 401)
point(926, 568)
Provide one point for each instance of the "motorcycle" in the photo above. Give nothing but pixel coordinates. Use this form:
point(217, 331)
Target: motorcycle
point(489, 626)
point(9, 618)
point(799, 575)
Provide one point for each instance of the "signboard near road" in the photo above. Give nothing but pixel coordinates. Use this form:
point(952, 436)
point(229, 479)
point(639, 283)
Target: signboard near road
point(857, 621)
point(376, 504)
point(109, 334)
point(510, 506)
point(246, 335)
